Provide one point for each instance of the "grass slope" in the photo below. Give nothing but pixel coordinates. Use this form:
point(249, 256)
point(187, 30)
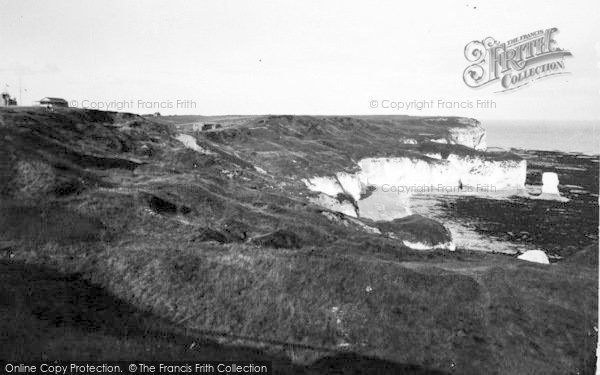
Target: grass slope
point(205, 243)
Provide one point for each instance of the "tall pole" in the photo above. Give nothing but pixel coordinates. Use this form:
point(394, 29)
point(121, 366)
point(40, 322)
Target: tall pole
point(20, 92)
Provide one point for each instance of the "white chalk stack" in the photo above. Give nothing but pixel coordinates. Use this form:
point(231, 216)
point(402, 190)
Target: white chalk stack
point(550, 183)
point(549, 189)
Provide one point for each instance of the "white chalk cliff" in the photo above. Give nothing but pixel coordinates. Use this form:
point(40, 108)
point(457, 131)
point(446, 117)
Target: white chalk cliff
point(395, 179)
point(405, 175)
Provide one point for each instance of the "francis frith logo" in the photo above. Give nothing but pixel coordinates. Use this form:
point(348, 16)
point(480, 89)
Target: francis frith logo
point(515, 63)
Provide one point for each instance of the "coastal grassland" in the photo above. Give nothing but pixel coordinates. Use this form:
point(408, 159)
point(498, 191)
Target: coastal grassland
point(50, 315)
point(47, 315)
point(156, 245)
point(466, 311)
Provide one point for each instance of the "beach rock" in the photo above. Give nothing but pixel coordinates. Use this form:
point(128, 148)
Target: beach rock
point(536, 256)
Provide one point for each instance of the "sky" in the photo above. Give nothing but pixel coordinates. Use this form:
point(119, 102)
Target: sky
point(292, 57)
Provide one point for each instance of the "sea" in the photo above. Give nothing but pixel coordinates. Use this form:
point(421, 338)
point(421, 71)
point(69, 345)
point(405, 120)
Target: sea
point(581, 137)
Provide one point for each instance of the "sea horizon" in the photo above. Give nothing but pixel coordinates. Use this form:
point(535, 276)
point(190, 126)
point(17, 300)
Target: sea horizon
point(578, 136)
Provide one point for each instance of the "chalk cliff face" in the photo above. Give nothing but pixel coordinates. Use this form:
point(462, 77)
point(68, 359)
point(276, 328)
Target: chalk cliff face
point(405, 176)
point(445, 175)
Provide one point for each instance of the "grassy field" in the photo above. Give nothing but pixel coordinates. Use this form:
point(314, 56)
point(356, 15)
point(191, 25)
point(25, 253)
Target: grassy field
point(122, 243)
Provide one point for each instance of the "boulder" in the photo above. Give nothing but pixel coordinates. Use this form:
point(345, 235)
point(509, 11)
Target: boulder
point(536, 256)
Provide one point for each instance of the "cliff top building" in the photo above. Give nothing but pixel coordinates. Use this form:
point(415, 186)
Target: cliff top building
point(53, 102)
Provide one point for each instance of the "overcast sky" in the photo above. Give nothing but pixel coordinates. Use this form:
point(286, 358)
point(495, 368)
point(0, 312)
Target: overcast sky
point(301, 57)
